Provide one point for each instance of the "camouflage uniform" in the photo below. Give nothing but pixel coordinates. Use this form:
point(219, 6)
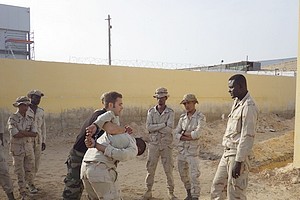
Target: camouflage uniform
point(159, 126)
point(188, 151)
point(39, 117)
point(238, 142)
point(5, 180)
point(22, 149)
point(98, 169)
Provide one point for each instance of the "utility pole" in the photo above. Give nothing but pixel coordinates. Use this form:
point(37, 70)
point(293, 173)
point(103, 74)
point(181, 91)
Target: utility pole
point(109, 43)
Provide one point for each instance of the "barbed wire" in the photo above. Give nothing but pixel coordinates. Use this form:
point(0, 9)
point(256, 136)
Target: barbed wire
point(133, 63)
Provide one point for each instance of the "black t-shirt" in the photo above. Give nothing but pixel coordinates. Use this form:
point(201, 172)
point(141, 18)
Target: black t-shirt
point(79, 143)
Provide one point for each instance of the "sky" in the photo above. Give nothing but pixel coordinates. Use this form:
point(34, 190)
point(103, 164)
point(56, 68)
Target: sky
point(197, 32)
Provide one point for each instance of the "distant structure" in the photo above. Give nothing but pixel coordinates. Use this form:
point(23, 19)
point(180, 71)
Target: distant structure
point(15, 39)
point(236, 66)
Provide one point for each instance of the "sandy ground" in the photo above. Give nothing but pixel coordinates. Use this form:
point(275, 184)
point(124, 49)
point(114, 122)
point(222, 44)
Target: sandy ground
point(266, 182)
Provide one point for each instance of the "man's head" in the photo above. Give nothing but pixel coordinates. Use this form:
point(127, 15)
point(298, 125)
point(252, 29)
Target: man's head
point(35, 97)
point(113, 101)
point(161, 94)
point(140, 143)
point(22, 103)
point(189, 101)
point(237, 85)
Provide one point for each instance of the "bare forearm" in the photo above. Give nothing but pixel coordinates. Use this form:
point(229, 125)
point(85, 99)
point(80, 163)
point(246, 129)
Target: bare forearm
point(100, 147)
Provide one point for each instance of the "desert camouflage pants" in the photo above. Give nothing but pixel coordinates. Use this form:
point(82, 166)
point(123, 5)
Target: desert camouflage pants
point(167, 161)
point(73, 184)
point(224, 182)
point(5, 180)
point(24, 169)
point(188, 167)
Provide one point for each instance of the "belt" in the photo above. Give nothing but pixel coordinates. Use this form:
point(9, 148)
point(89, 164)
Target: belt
point(89, 162)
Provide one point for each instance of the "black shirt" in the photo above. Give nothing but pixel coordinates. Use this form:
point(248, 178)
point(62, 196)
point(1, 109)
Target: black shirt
point(79, 143)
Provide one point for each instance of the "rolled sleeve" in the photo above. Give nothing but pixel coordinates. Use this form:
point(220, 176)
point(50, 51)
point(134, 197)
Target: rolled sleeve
point(249, 119)
point(102, 119)
point(123, 154)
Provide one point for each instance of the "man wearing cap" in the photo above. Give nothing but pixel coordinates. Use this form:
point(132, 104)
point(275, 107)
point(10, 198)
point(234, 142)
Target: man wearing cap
point(23, 130)
point(38, 114)
point(5, 180)
point(160, 122)
point(188, 133)
point(233, 169)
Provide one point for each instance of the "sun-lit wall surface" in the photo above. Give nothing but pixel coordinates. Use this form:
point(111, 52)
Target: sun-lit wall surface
point(297, 112)
point(70, 86)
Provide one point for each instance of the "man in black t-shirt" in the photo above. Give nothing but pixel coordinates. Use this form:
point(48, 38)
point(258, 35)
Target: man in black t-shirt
point(73, 184)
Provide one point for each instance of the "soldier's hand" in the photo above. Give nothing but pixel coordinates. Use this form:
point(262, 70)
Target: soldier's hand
point(91, 130)
point(128, 129)
point(89, 142)
point(236, 170)
point(43, 146)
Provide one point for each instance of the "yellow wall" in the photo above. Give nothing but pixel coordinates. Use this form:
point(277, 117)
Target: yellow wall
point(297, 112)
point(68, 86)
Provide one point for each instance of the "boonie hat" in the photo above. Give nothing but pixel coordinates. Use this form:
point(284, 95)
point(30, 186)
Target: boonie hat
point(189, 98)
point(161, 92)
point(21, 100)
point(36, 92)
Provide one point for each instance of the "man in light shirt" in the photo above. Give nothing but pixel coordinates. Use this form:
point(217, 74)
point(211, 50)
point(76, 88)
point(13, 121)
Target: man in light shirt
point(38, 114)
point(188, 133)
point(238, 141)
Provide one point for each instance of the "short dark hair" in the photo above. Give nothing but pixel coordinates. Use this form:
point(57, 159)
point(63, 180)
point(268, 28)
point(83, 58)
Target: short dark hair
point(240, 79)
point(111, 97)
point(141, 144)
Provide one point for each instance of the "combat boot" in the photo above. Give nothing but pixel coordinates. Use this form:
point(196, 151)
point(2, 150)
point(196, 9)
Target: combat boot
point(147, 195)
point(172, 196)
point(189, 195)
point(10, 196)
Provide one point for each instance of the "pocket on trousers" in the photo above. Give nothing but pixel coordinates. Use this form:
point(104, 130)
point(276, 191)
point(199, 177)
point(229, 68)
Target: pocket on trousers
point(17, 149)
point(99, 173)
point(242, 181)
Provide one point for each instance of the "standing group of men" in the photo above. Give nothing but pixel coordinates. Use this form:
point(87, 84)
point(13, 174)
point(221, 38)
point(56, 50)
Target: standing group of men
point(103, 143)
point(27, 139)
point(232, 174)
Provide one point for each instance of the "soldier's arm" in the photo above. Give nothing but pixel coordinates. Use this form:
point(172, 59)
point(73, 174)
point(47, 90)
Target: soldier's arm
point(249, 118)
point(123, 154)
point(151, 126)
point(169, 123)
point(104, 122)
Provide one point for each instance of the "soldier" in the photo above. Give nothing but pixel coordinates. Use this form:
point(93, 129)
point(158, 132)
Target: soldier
point(39, 116)
point(5, 180)
point(238, 141)
point(188, 133)
point(160, 122)
point(23, 130)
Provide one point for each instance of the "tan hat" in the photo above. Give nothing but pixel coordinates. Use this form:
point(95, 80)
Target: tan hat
point(21, 100)
point(189, 98)
point(161, 92)
point(36, 92)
